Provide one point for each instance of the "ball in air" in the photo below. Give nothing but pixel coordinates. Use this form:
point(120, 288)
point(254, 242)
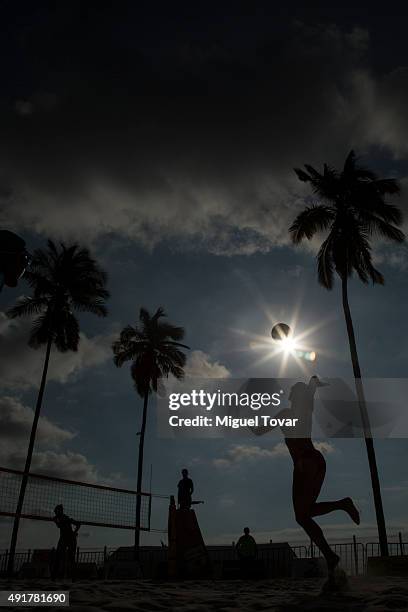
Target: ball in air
point(280, 331)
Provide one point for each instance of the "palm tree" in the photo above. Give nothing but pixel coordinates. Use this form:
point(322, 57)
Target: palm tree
point(153, 347)
point(62, 279)
point(352, 208)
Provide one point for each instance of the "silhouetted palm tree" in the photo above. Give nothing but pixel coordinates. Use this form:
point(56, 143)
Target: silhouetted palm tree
point(153, 347)
point(63, 279)
point(352, 209)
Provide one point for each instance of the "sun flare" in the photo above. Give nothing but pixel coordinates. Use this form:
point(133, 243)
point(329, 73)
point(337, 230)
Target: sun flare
point(288, 344)
point(295, 347)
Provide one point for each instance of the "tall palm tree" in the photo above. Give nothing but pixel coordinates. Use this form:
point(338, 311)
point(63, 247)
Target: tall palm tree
point(153, 347)
point(352, 209)
point(63, 279)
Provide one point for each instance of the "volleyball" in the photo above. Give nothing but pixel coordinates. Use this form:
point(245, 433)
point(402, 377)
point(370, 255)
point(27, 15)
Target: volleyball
point(280, 331)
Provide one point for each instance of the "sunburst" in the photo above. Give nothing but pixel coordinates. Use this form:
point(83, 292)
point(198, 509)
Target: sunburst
point(296, 346)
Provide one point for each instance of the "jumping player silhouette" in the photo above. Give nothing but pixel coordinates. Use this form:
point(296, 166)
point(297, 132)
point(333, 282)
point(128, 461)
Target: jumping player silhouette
point(309, 470)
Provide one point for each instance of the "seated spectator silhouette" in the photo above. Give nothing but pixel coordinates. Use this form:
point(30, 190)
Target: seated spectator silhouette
point(65, 553)
point(246, 548)
point(185, 491)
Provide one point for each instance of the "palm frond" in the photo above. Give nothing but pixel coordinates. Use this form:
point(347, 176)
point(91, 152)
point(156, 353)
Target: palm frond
point(178, 344)
point(41, 331)
point(376, 276)
point(129, 333)
point(27, 306)
point(359, 254)
point(171, 355)
point(350, 163)
point(123, 353)
point(66, 332)
point(62, 278)
point(325, 263)
point(353, 171)
point(388, 186)
point(38, 281)
point(302, 175)
point(311, 221)
point(158, 314)
point(153, 349)
point(166, 330)
point(93, 306)
point(390, 213)
point(313, 172)
point(176, 371)
point(386, 230)
point(357, 210)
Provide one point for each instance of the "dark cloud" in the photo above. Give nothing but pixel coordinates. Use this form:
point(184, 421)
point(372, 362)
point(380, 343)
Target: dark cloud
point(191, 140)
point(49, 457)
point(16, 420)
point(21, 366)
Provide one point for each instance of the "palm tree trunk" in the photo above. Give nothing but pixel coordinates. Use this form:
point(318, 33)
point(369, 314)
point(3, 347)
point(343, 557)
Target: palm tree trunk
point(140, 477)
point(375, 482)
point(23, 486)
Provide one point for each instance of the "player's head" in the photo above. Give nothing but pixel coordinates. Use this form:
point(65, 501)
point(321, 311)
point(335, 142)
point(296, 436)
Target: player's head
point(184, 472)
point(246, 530)
point(58, 510)
point(297, 392)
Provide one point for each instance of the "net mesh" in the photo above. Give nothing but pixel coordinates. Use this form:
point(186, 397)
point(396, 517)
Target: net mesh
point(88, 503)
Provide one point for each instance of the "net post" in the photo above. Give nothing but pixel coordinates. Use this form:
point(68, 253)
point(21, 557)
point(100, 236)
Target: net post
point(401, 543)
point(149, 512)
point(355, 554)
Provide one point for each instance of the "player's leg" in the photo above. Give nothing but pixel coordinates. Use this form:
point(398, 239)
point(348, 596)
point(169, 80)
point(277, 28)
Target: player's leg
point(58, 559)
point(71, 558)
point(308, 477)
point(346, 505)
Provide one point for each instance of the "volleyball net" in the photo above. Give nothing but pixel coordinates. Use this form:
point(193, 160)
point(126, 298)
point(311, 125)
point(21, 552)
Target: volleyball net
point(90, 504)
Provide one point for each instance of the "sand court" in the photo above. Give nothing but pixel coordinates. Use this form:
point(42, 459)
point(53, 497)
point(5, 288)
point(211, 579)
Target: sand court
point(361, 593)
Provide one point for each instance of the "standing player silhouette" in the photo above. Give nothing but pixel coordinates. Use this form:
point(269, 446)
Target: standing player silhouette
point(309, 470)
point(67, 542)
point(185, 491)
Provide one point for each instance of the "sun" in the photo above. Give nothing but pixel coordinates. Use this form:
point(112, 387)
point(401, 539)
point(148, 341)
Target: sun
point(288, 344)
point(298, 347)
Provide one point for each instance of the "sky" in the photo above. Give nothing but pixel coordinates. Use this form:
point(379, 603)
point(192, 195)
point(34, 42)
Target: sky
point(165, 141)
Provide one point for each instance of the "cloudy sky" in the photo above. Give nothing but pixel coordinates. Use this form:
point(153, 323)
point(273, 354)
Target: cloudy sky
point(165, 140)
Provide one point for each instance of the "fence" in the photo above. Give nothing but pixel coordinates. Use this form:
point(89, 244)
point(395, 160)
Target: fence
point(353, 554)
point(92, 504)
point(20, 557)
point(372, 549)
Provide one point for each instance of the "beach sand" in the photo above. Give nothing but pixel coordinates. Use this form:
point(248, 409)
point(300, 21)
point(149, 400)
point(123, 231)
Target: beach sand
point(362, 593)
